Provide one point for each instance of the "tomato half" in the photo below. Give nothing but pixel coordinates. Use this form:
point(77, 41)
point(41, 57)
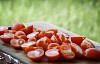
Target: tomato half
point(36, 55)
point(52, 54)
point(54, 30)
point(2, 30)
point(77, 39)
point(16, 43)
point(77, 50)
point(92, 53)
point(66, 52)
point(53, 46)
point(18, 33)
point(87, 44)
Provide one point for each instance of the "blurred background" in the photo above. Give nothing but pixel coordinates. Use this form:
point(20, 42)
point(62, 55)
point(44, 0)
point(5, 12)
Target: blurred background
point(79, 16)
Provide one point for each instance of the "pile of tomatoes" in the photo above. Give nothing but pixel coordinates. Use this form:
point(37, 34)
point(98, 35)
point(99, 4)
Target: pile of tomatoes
point(49, 43)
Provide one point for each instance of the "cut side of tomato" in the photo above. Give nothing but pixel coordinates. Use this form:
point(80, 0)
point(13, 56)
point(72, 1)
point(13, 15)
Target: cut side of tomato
point(77, 39)
point(16, 43)
point(18, 33)
point(92, 53)
point(66, 52)
point(53, 46)
point(54, 30)
point(87, 44)
point(36, 55)
point(77, 50)
point(2, 30)
point(52, 54)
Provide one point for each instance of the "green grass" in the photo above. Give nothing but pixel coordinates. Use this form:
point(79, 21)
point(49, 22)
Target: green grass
point(79, 16)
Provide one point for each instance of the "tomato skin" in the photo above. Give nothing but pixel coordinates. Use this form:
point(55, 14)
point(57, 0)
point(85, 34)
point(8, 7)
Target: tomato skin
point(2, 30)
point(32, 39)
point(16, 43)
point(87, 44)
point(36, 55)
point(53, 46)
point(52, 54)
point(54, 39)
point(54, 30)
point(66, 52)
point(92, 53)
point(30, 29)
point(77, 50)
point(18, 33)
point(49, 34)
point(77, 39)
point(10, 31)
point(41, 34)
point(17, 26)
point(43, 42)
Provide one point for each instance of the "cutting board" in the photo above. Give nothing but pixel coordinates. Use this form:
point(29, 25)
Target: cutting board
point(20, 55)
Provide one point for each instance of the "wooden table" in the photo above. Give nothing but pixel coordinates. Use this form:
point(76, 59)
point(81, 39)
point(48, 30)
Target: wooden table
point(20, 55)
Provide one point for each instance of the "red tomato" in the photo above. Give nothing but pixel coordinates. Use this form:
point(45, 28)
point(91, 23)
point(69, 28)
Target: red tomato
point(92, 53)
point(43, 42)
point(54, 39)
point(10, 31)
point(66, 52)
point(66, 41)
point(25, 45)
point(23, 37)
point(32, 35)
point(30, 29)
point(41, 34)
point(17, 26)
point(77, 50)
point(6, 37)
point(24, 30)
point(53, 46)
point(49, 34)
point(87, 44)
point(54, 30)
point(36, 55)
point(52, 54)
point(77, 39)
point(30, 48)
point(32, 39)
point(16, 43)
point(18, 33)
point(2, 30)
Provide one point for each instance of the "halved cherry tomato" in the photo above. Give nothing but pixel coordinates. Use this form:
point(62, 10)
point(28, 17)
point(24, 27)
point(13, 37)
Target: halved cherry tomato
point(66, 52)
point(49, 34)
point(16, 43)
point(32, 35)
point(41, 34)
point(24, 30)
point(32, 39)
point(6, 37)
point(2, 30)
point(30, 48)
point(54, 30)
point(25, 45)
point(18, 33)
point(77, 50)
point(52, 54)
point(87, 44)
point(43, 42)
point(30, 29)
point(92, 53)
point(36, 55)
point(77, 39)
point(54, 39)
point(53, 46)
point(10, 31)
point(17, 26)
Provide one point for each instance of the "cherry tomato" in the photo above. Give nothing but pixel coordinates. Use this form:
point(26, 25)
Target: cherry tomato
point(66, 52)
point(25, 45)
point(2, 30)
point(54, 39)
point(10, 31)
point(32, 39)
point(32, 35)
point(41, 34)
point(24, 30)
point(77, 39)
point(52, 54)
point(17, 26)
point(30, 29)
point(92, 53)
point(87, 44)
point(54, 30)
point(77, 50)
point(16, 43)
point(43, 42)
point(6, 37)
point(53, 46)
point(30, 48)
point(49, 34)
point(18, 33)
point(36, 55)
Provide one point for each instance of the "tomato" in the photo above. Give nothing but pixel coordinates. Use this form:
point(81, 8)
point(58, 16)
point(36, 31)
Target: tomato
point(52, 54)
point(31, 35)
point(66, 52)
point(41, 34)
point(6, 37)
point(87, 44)
point(16, 43)
point(30, 48)
point(43, 42)
point(77, 50)
point(77, 39)
point(2, 30)
point(18, 33)
point(32, 39)
point(92, 53)
point(66, 41)
point(24, 30)
point(10, 31)
point(36, 55)
point(17, 26)
point(49, 34)
point(54, 39)
point(53, 46)
point(25, 45)
point(23, 37)
point(54, 30)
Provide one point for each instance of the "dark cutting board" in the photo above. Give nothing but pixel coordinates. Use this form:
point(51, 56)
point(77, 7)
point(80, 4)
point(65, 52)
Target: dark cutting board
point(20, 55)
